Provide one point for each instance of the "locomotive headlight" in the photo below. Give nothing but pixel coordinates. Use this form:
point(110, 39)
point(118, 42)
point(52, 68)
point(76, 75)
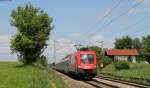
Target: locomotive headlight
point(79, 66)
point(94, 66)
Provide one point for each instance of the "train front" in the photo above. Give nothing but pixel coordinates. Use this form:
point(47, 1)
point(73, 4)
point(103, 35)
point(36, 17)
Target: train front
point(87, 64)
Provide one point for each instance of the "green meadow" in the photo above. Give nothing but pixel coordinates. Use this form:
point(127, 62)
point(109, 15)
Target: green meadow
point(138, 72)
point(16, 75)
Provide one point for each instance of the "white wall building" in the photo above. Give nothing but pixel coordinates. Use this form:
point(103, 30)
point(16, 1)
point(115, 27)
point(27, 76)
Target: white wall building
point(123, 54)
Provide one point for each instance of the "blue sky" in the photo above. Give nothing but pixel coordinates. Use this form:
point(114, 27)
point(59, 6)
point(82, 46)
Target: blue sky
point(72, 20)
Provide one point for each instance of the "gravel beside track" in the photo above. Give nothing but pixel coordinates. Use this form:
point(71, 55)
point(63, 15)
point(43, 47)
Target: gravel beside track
point(72, 83)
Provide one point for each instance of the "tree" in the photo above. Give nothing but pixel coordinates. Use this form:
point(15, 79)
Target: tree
point(124, 43)
point(33, 30)
point(101, 58)
point(136, 43)
point(128, 43)
point(98, 51)
point(146, 48)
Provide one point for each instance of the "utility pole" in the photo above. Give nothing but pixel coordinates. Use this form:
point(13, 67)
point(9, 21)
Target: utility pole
point(102, 44)
point(54, 52)
point(102, 52)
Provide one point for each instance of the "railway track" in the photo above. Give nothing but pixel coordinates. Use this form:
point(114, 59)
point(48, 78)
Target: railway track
point(90, 84)
point(103, 82)
point(98, 84)
point(124, 82)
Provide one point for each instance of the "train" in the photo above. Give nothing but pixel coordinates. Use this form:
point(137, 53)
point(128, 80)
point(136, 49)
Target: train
point(80, 64)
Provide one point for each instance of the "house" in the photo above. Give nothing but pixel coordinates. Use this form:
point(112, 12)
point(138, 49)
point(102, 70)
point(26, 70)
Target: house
point(122, 54)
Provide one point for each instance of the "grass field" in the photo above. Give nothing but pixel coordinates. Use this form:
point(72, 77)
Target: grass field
point(138, 72)
point(14, 75)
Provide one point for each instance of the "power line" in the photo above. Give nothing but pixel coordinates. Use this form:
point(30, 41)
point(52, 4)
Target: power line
point(116, 18)
point(137, 22)
point(88, 30)
point(106, 15)
point(139, 30)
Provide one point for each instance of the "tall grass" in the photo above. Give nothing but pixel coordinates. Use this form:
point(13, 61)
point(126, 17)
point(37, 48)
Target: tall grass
point(15, 75)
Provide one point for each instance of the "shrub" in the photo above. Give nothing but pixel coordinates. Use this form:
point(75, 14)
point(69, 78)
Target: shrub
point(140, 59)
point(42, 61)
point(120, 65)
point(106, 60)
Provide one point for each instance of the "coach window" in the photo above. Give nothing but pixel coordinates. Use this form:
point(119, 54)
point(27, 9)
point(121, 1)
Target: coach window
point(72, 60)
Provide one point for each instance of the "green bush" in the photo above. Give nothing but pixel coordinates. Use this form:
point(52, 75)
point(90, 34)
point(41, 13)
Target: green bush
point(106, 60)
point(140, 59)
point(120, 65)
point(42, 61)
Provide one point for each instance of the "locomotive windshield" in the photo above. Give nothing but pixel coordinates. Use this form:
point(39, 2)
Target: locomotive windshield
point(87, 58)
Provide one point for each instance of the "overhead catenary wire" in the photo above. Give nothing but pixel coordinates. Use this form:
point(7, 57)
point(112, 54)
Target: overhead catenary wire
point(116, 18)
point(137, 22)
point(134, 6)
point(137, 31)
point(106, 15)
point(140, 30)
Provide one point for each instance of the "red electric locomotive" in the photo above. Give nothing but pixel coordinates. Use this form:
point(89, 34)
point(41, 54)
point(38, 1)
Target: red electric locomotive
point(81, 64)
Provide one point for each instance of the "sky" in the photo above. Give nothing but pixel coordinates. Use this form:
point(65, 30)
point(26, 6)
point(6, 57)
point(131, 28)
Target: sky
point(86, 22)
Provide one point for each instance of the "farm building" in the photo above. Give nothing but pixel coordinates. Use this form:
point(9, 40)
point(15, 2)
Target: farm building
point(122, 54)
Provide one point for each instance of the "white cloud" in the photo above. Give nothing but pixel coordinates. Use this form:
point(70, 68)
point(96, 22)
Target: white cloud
point(4, 39)
point(5, 54)
point(77, 34)
point(64, 46)
point(94, 40)
point(96, 37)
point(109, 44)
point(4, 43)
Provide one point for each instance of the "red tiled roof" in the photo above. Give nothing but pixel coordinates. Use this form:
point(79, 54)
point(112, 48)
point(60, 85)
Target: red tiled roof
point(122, 52)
